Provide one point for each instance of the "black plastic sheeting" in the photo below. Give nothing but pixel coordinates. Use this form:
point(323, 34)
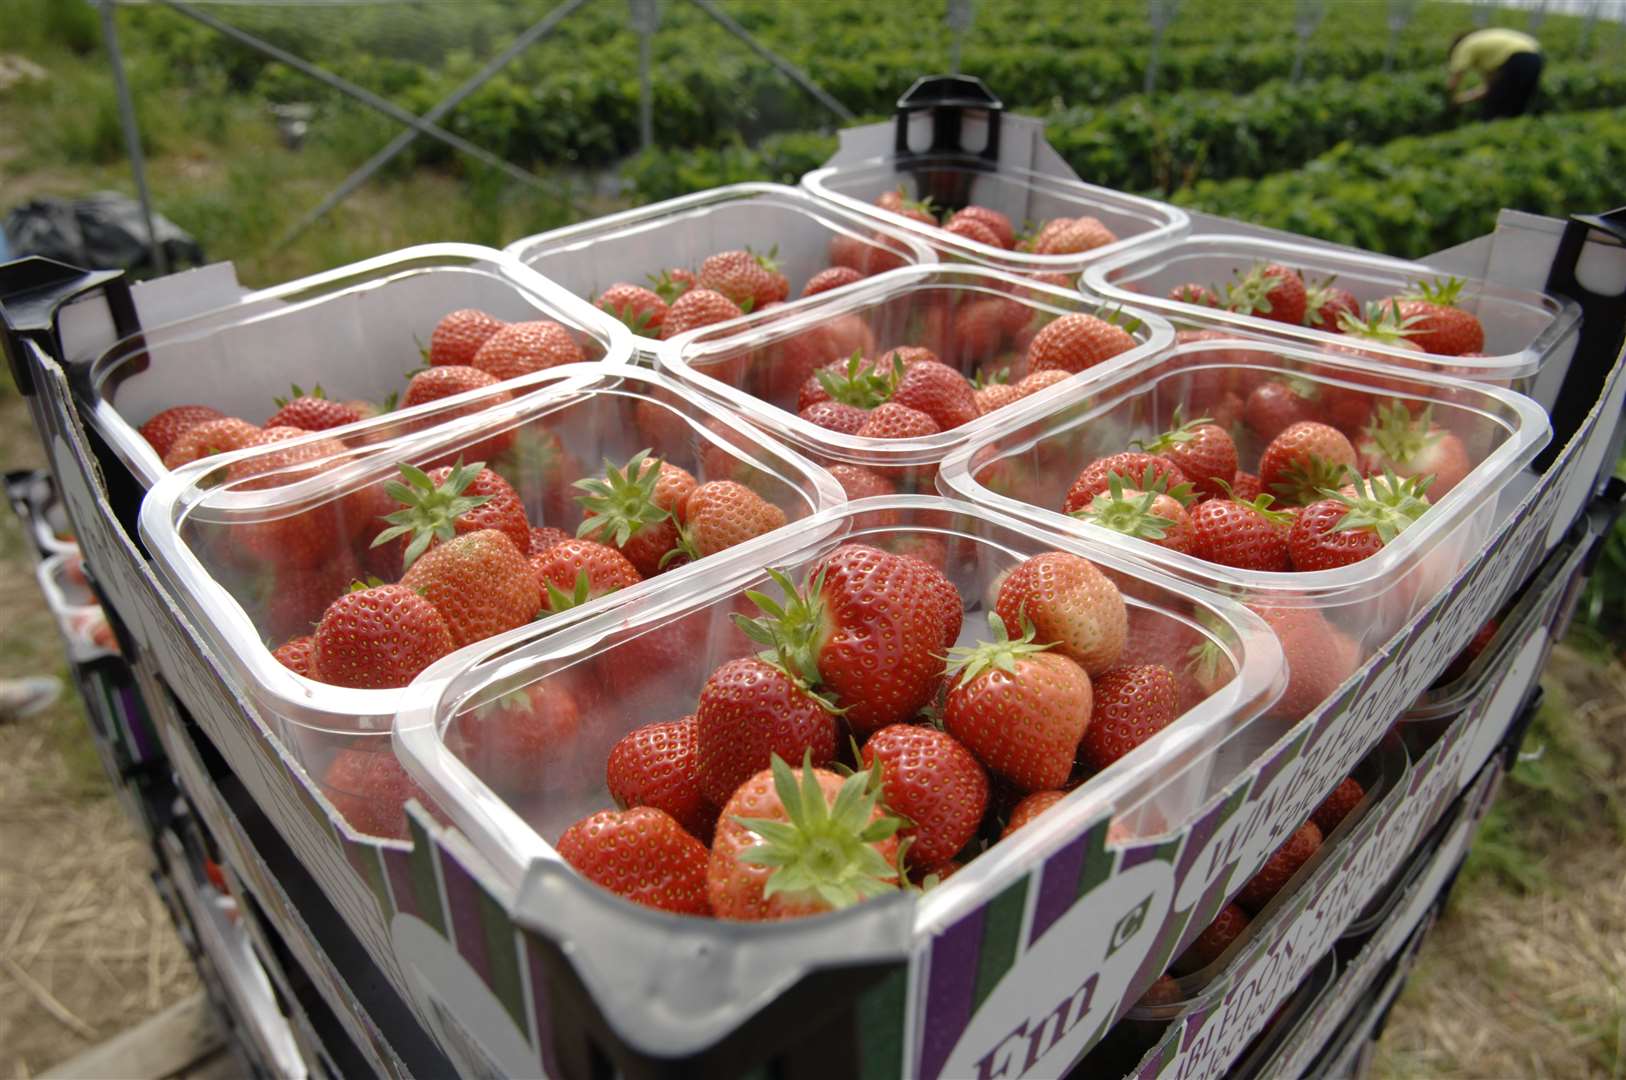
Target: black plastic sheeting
point(104, 231)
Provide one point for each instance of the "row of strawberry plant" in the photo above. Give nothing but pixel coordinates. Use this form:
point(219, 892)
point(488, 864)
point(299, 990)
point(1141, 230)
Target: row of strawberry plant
point(1423, 193)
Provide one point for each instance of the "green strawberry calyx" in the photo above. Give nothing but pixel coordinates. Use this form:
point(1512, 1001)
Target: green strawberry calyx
point(860, 384)
point(635, 320)
point(768, 261)
point(429, 510)
point(1382, 323)
point(1316, 297)
point(1399, 436)
point(622, 501)
point(1444, 291)
point(1182, 432)
point(1156, 483)
point(1260, 504)
point(558, 600)
point(1250, 293)
point(667, 287)
point(1129, 514)
point(824, 849)
point(1303, 481)
point(996, 377)
point(1118, 317)
point(1386, 505)
point(966, 663)
point(298, 392)
point(794, 630)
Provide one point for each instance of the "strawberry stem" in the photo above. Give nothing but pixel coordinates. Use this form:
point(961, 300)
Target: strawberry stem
point(1000, 653)
point(623, 501)
point(430, 511)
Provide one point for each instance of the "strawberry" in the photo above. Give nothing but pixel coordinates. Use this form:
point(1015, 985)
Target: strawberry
point(1164, 991)
point(479, 582)
point(1201, 295)
point(1440, 325)
point(894, 421)
point(1147, 472)
point(296, 596)
point(1246, 488)
point(1271, 291)
point(544, 537)
point(1463, 660)
point(458, 336)
point(659, 765)
point(858, 482)
point(1397, 442)
point(1036, 381)
point(1277, 404)
point(1075, 342)
point(996, 396)
point(798, 842)
point(446, 381)
point(438, 505)
point(634, 509)
point(1346, 528)
point(1325, 304)
point(750, 710)
point(696, 308)
point(1338, 805)
point(833, 277)
point(978, 328)
point(996, 223)
point(1072, 236)
point(1203, 450)
point(166, 427)
point(370, 788)
point(525, 347)
point(641, 309)
point(852, 381)
point(721, 514)
point(572, 572)
point(671, 284)
point(641, 854)
point(378, 637)
point(1133, 702)
point(974, 230)
point(1319, 658)
point(1071, 605)
point(835, 416)
point(934, 783)
point(209, 438)
point(514, 741)
point(742, 276)
point(1211, 944)
point(1282, 865)
point(1019, 708)
point(937, 390)
point(1244, 533)
point(1030, 807)
point(1146, 515)
point(944, 596)
point(1385, 322)
point(296, 654)
point(867, 625)
point(311, 412)
point(1305, 459)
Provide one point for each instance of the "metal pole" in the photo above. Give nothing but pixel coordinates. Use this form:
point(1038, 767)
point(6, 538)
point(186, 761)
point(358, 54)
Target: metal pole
point(645, 20)
point(360, 93)
point(1400, 13)
point(1482, 12)
point(786, 68)
point(1588, 26)
point(1307, 19)
point(1160, 13)
point(1538, 16)
point(132, 134)
point(959, 16)
point(446, 105)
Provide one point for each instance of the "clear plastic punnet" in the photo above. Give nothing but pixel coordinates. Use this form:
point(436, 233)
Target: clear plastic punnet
point(1523, 329)
point(62, 579)
point(257, 544)
point(980, 322)
point(1028, 198)
point(799, 233)
point(1027, 466)
point(359, 332)
point(648, 661)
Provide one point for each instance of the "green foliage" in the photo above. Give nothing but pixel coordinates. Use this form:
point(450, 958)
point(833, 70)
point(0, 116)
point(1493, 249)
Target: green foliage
point(665, 174)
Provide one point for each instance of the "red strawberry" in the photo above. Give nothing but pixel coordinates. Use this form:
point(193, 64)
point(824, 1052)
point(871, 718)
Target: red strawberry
point(932, 781)
point(851, 381)
point(1147, 472)
point(572, 572)
point(996, 396)
point(894, 421)
point(525, 347)
point(1338, 805)
point(1246, 534)
point(641, 309)
point(1281, 866)
point(1326, 304)
point(1271, 291)
point(749, 711)
point(798, 842)
point(544, 537)
point(1031, 807)
point(835, 416)
point(377, 638)
point(1319, 658)
point(446, 381)
point(977, 330)
point(641, 854)
point(1072, 236)
point(1075, 342)
point(743, 277)
point(868, 626)
point(1146, 515)
point(1020, 710)
point(634, 509)
point(311, 412)
point(1035, 381)
point(659, 765)
point(1304, 460)
point(369, 789)
point(1278, 404)
point(1133, 702)
point(295, 654)
point(1211, 944)
point(858, 482)
point(1397, 442)
point(514, 742)
point(296, 596)
point(1200, 295)
point(209, 438)
point(1350, 527)
point(1441, 327)
point(436, 506)
point(166, 427)
point(1071, 604)
point(974, 230)
point(721, 514)
point(696, 308)
point(937, 390)
point(997, 223)
point(1203, 450)
point(832, 278)
point(479, 582)
point(458, 336)
point(1246, 488)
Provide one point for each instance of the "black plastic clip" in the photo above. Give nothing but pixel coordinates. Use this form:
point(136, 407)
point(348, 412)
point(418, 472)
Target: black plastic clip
point(35, 289)
point(1603, 329)
point(949, 99)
